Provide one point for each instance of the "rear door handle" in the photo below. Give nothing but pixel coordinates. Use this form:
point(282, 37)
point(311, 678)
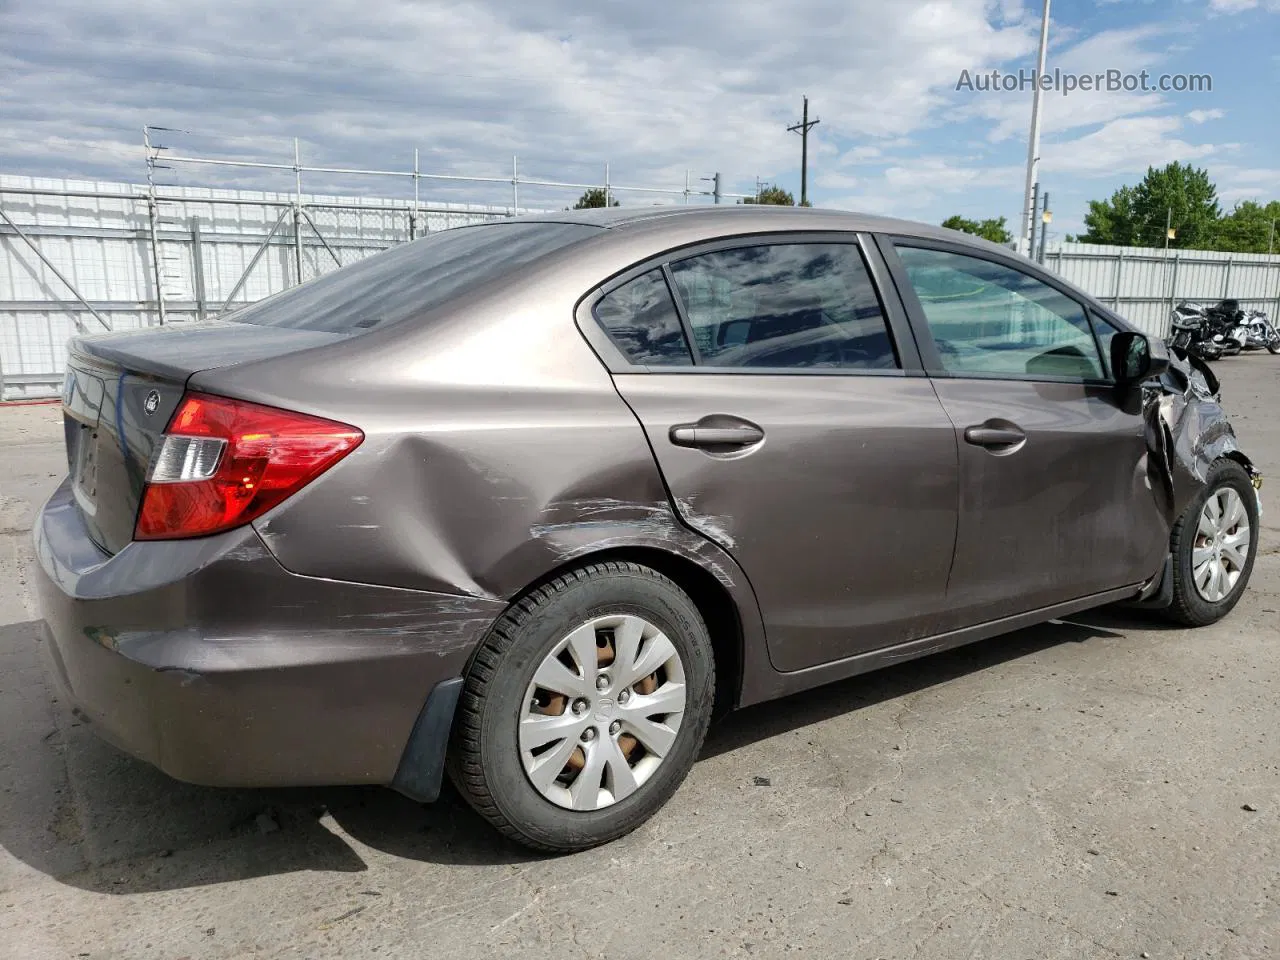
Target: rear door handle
point(733, 435)
point(990, 435)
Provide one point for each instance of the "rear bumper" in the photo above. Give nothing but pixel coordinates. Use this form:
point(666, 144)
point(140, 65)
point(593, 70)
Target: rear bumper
point(209, 660)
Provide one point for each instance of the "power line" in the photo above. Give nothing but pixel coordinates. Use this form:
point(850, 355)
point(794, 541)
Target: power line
point(803, 128)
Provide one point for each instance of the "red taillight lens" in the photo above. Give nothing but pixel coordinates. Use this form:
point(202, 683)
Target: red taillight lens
point(224, 462)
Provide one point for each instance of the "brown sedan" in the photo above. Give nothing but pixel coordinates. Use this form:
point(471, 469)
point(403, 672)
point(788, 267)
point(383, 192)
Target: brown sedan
point(530, 500)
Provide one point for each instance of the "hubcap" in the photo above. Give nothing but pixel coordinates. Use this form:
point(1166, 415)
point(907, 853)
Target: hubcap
point(1223, 539)
point(629, 680)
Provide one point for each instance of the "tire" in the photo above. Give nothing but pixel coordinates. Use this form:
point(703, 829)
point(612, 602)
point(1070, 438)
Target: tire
point(487, 760)
point(1273, 346)
point(1190, 606)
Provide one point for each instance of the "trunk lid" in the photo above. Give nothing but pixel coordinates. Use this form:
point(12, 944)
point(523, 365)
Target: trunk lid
point(119, 393)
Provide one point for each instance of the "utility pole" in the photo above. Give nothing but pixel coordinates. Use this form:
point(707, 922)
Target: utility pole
point(714, 180)
point(1271, 243)
point(1033, 144)
point(153, 221)
point(803, 128)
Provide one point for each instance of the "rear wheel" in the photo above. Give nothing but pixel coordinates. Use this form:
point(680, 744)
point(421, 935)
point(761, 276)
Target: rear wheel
point(1214, 544)
point(585, 707)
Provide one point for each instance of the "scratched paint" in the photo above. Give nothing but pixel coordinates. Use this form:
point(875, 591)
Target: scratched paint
point(715, 527)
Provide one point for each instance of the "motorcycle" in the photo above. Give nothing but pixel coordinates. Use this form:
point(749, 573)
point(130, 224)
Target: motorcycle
point(1227, 328)
point(1261, 333)
point(1222, 330)
point(1191, 332)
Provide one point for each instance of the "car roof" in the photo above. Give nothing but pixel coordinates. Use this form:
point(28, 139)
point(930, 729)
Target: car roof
point(750, 218)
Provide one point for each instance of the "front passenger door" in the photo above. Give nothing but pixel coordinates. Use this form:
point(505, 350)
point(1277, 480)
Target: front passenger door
point(1055, 502)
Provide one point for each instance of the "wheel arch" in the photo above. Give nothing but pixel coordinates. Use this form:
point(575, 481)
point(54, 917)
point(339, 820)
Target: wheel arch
point(720, 611)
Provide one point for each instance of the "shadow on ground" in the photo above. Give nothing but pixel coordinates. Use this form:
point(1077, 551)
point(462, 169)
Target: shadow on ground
point(118, 826)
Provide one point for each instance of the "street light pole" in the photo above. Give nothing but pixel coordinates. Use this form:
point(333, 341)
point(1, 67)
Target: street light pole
point(1046, 218)
point(1033, 144)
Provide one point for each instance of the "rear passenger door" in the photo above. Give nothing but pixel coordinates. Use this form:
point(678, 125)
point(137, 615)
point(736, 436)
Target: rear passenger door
point(1055, 499)
point(793, 426)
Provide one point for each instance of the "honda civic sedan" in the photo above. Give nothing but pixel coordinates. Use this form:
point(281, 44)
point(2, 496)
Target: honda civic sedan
point(527, 502)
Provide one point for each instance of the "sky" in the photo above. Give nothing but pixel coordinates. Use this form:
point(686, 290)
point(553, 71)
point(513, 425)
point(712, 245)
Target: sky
point(653, 89)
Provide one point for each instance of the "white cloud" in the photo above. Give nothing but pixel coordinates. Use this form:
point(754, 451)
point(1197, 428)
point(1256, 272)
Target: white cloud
point(1131, 50)
point(1128, 145)
point(1237, 6)
point(915, 186)
point(1246, 183)
point(653, 88)
point(1201, 116)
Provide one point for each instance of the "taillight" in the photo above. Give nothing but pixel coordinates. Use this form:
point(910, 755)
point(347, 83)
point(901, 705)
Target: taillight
point(222, 462)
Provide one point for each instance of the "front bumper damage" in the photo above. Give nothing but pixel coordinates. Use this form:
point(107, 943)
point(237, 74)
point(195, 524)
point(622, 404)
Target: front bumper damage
point(1187, 431)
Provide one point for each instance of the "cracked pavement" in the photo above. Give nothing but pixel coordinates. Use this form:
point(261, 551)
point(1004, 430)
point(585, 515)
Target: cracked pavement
point(1072, 790)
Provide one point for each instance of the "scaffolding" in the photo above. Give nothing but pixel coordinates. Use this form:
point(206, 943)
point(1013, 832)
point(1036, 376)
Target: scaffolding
point(167, 252)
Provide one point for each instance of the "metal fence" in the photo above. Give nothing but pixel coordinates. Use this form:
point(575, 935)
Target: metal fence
point(1142, 284)
point(84, 256)
point(87, 256)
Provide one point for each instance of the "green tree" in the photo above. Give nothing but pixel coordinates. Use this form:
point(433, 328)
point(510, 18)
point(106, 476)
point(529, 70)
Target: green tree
point(773, 196)
point(1179, 195)
point(996, 230)
point(1111, 221)
point(1250, 228)
point(594, 197)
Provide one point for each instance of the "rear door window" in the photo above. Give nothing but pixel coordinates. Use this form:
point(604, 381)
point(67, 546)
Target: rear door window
point(784, 305)
point(641, 319)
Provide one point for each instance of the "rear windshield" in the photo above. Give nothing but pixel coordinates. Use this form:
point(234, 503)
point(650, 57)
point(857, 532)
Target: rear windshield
point(409, 279)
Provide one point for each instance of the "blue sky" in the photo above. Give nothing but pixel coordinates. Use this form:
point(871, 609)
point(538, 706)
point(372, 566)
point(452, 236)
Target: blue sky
point(653, 88)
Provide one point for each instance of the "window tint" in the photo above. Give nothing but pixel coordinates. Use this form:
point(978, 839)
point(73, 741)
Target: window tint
point(411, 278)
point(987, 318)
point(640, 317)
point(784, 305)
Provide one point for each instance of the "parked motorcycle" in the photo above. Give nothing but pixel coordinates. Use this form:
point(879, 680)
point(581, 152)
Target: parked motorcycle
point(1261, 332)
point(1190, 332)
point(1226, 326)
point(1221, 330)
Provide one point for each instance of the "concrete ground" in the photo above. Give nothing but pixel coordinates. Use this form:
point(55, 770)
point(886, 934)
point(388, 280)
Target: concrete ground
point(1107, 787)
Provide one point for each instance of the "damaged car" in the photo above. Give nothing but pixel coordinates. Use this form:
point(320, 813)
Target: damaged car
point(528, 502)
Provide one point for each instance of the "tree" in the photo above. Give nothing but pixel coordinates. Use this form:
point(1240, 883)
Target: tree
point(1177, 195)
point(772, 196)
point(594, 197)
point(1111, 221)
point(995, 230)
point(1249, 228)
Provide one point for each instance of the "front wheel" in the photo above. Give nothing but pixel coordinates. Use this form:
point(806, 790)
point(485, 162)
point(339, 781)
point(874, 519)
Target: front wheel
point(585, 707)
point(1213, 545)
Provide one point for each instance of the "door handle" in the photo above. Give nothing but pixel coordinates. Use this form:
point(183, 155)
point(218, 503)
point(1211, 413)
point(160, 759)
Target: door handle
point(733, 435)
point(991, 435)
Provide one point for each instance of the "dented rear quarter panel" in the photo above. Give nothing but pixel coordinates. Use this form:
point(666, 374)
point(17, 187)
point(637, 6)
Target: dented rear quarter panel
point(496, 450)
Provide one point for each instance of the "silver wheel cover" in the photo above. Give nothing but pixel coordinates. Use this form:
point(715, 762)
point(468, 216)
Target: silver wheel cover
point(602, 712)
point(1222, 544)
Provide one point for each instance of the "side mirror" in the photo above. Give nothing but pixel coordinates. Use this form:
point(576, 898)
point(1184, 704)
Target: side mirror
point(1135, 358)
